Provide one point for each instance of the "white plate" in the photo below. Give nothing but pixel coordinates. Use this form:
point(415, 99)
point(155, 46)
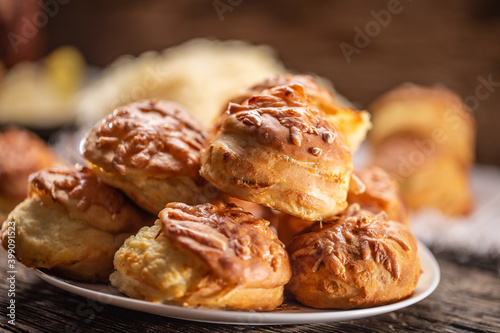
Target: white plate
point(293, 313)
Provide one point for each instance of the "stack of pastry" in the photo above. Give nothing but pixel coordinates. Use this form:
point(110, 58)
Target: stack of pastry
point(424, 137)
point(278, 146)
point(76, 218)
point(283, 145)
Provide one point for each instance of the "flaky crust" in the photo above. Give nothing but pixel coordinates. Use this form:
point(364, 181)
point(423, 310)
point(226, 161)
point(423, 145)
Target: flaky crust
point(353, 124)
point(433, 113)
point(277, 149)
point(150, 150)
point(72, 223)
point(353, 261)
point(231, 260)
point(21, 153)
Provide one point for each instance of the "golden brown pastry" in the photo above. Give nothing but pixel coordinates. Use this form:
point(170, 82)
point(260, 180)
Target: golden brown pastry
point(213, 255)
point(356, 260)
point(436, 180)
point(151, 151)
point(424, 137)
point(380, 194)
point(277, 149)
point(72, 223)
point(21, 153)
point(353, 124)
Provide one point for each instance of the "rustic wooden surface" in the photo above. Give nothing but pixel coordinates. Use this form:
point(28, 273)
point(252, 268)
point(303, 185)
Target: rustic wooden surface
point(467, 300)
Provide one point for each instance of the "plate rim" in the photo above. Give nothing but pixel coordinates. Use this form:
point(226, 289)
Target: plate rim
point(229, 317)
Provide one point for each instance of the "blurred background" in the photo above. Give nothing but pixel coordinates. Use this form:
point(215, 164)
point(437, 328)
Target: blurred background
point(364, 47)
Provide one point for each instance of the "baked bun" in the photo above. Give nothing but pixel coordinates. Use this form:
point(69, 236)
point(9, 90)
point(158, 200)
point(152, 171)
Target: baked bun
point(424, 137)
point(434, 180)
point(213, 255)
point(353, 261)
point(431, 113)
point(72, 223)
point(151, 151)
point(353, 124)
point(21, 153)
point(277, 149)
point(380, 193)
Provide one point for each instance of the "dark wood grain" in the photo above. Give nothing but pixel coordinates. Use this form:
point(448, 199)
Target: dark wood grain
point(467, 300)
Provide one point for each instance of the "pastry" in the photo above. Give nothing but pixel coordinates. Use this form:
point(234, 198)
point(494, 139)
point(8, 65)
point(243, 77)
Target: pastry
point(356, 260)
point(380, 193)
point(277, 149)
point(151, 151)
point(212, 255)
point(71, 223)
point(21, 153)
point(353, 124)
point(424, 137)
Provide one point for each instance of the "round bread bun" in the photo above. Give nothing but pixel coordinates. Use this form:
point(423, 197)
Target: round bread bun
point(277, 149)
point(353, 261)
point(353, 124)
point(72, 223)
point(213, 255)
point(432, 113)
point(151, 151)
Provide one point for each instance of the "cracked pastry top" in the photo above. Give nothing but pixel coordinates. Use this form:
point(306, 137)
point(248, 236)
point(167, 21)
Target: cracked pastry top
point(211, 255)
point(356, 260)
point(151, 150)
point(277, 149)
point(353, 124)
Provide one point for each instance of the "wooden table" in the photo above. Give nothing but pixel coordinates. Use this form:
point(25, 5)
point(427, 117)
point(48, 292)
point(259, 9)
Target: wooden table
point(467, 300)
